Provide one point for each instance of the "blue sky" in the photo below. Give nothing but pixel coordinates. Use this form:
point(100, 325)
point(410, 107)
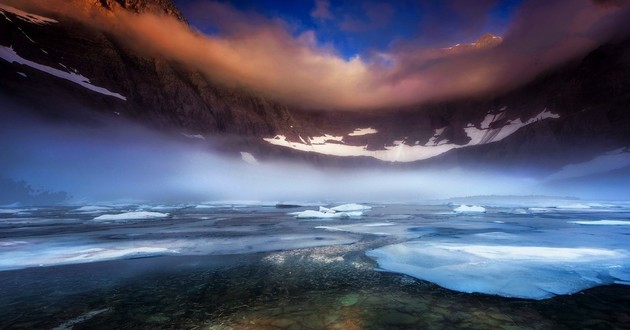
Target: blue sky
point(354, 27)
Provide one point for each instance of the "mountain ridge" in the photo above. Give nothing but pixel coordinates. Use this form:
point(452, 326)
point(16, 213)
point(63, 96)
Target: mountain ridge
point(500, 129)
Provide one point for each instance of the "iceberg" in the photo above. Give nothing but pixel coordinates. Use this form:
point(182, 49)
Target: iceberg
point(137, 215)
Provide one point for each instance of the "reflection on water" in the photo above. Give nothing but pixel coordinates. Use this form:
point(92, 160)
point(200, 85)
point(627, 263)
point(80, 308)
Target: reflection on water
point(322, 287)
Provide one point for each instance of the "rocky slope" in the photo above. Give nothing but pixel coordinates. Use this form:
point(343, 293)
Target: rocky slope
point(153, 90)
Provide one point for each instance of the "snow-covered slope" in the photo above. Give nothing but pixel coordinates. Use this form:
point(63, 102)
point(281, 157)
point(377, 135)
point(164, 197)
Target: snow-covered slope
point(489, 130)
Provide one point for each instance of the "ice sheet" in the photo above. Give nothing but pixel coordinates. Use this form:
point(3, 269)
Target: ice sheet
point(136, 215)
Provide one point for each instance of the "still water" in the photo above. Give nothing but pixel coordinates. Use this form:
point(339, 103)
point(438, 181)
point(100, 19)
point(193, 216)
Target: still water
point(255, 266)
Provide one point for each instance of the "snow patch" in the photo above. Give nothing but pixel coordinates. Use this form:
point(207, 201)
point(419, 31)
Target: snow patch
point(325, 138)
point(9, 55)
point(22, 74)
point(485, 134)
point(435, 139)
point(399, 151)
point(363, 131)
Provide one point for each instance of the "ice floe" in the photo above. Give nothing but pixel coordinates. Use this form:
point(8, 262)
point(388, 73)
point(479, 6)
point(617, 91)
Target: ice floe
point(136, 215)
point(469, 209)
point(93, 208)
point(534, 272)
point(602, 222)
point(343, 211)
point(312, 214)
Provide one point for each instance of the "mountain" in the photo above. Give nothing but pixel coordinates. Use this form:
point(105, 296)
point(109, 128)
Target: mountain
point(60, 67)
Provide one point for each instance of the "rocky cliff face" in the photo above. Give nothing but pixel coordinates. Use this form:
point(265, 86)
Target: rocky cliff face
point(154, 90)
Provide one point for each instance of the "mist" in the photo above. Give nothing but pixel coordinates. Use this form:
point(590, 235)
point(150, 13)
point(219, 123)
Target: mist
point(109, 160)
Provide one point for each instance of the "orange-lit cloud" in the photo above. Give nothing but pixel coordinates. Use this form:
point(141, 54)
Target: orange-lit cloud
point(265, 55)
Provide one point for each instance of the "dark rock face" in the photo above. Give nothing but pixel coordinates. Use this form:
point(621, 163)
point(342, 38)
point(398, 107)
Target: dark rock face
point(158, 92)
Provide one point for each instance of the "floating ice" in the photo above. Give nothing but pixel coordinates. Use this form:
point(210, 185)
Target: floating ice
point(343, 211)
point(469, 209)
point(93, 208)
point(576, 206)
point(603, 222)
point(533, 272)
point(131, 216)
point(73, 249)
point(312, 214)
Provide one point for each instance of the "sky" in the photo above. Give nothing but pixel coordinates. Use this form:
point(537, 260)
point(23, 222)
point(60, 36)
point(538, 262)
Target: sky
point(357, 55)
point(356, 27)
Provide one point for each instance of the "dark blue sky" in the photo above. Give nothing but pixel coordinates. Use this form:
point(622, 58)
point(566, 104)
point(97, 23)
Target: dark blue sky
point(354, 27)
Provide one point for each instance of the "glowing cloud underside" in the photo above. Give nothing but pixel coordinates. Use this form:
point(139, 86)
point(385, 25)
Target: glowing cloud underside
point(299, 70)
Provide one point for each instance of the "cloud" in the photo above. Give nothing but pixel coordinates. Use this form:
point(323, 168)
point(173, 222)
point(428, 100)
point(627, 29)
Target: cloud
point(322, 10)
point(272, 57)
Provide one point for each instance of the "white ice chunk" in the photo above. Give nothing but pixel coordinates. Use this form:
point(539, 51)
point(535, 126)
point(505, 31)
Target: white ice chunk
point(469, 209)
point(9, 55)
point(603, 222)
point(351, 207)
point(131, 216)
